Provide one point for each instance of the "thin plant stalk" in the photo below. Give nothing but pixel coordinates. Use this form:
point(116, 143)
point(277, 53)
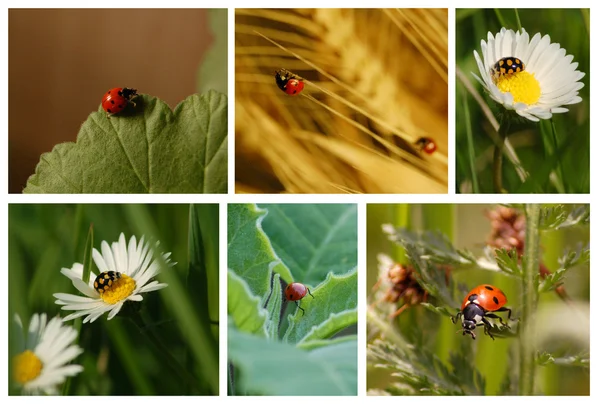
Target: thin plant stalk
point(169, 360)
point(559, 170)
point(500, 18)
point(471, 148)
point(529, 296)
point(498, 149)
point(518, 20)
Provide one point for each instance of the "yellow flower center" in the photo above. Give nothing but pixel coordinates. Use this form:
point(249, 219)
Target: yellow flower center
point(523, 86)
point(119, 290)
point(26, 367)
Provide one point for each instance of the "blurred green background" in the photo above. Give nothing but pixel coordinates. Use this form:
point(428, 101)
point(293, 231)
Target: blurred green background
point(117, 358)
point(467, 227)
point(533, 141)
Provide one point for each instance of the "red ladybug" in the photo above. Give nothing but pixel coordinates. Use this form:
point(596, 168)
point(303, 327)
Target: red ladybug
point(117, 98)
point(426, 144)
point(296, 291)
point(288, 82)
point(478, 306)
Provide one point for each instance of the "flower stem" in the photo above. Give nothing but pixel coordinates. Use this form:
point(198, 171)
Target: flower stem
point(175, 366)
point(498, 150)
point(518, 20)
point(529, 296)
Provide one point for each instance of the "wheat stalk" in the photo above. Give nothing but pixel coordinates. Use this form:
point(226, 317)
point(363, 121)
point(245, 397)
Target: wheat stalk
point(352, 129)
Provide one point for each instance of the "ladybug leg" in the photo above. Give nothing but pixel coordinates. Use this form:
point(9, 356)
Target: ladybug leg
point(494, 316)
point(469, 332)
point(457, 317)
point(487, 326)
point(505, 309)
point(308, 289)
point(298, 305)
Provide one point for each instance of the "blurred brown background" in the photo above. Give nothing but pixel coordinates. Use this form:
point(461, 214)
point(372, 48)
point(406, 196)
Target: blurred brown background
point(61, 62)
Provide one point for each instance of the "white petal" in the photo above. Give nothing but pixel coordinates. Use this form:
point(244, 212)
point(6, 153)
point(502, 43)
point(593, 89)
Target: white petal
point(115, 311)
point(99, 261)
point(108, 256)
point(153, 286)
point(70, 298)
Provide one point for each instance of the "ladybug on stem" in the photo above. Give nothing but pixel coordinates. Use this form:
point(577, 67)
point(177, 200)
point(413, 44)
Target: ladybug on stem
point(288, 82)
point(478, 306)
point(117, 98)
point(426, 145)
point(296, 291)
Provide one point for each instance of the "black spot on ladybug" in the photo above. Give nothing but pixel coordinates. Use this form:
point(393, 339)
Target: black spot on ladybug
point(487, 287)
point(112, 101)
point(121, 105)
point(472, 297)
point(109, 111)
point(495, 300)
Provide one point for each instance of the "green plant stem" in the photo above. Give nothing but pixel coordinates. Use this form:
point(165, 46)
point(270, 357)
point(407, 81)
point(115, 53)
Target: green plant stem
point(171, 362)
point(518, 20)
point(471, 148)
point(500, 18)
point(529, 297)
point(560, 184)
point(498, 150)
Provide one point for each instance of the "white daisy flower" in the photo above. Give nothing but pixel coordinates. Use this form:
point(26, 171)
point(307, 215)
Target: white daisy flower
point(42, 361)
point(125, 273)
point(535, 78)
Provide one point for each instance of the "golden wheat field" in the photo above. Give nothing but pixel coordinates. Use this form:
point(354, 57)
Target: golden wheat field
point(376, 80)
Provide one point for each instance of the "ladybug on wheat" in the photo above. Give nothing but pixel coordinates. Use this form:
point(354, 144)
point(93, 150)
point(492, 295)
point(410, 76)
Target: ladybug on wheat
point(479, 306)
point(117, 99)
point(288, 82)
point(296, 291)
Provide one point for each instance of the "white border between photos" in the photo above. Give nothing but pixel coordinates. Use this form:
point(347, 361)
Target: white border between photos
point(300, 407)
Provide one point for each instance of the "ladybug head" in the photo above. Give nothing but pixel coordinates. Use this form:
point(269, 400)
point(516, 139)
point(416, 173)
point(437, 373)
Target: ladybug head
point(472, 314)
point(128, 93)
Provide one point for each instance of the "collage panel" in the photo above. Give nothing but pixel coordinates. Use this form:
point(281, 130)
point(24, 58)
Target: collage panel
point(292, 294)
point(469, 299)
point(113, 299)
point(128, 101)
point(341, 101)
point(523, 101)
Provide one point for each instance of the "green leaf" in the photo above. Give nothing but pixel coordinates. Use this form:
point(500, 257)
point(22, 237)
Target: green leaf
point(196, 265)
point(249, 251)
point(554, 217)
point(551, 281)
point(332, 309)
point(275, 368)
point(144, 149)
point(439, 310)
point(244, 309)
point(313, 239)
point(575, 257)
point(544, 358)
point(213, 71)
point(87, 255)
point(508, 262)
point(430, 253)
point(274, 305)
point(315, 344)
